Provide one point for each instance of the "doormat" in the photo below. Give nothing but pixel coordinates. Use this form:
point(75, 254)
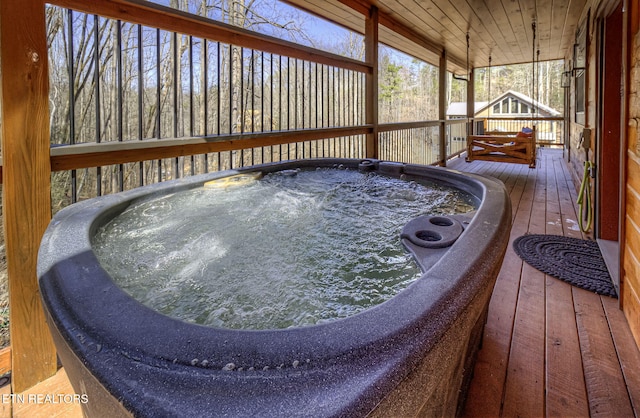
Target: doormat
point(575, 261)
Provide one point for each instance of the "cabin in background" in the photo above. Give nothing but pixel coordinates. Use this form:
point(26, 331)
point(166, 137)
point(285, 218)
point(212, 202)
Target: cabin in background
point(510, 112)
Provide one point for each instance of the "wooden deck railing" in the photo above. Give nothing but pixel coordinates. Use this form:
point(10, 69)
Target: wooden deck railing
point(258, 99)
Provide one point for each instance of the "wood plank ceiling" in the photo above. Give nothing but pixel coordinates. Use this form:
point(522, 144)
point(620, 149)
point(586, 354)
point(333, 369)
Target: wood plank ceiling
point(500, 29)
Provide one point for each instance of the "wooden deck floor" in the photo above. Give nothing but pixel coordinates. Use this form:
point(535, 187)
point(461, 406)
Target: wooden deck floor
point(549, 349)
point(53, 398)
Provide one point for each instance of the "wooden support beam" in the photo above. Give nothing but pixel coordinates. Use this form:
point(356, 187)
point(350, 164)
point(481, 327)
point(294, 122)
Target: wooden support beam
point(442, 108)
point(391, 23)
point(371, 96)
point(471, 100)
point(26, 187)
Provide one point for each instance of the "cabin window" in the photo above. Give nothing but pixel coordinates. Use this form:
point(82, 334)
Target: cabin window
point(505, 106)
point(580, 99)
point(524, 108)
point(580, 65)
point(496, 108)
point(514, 106)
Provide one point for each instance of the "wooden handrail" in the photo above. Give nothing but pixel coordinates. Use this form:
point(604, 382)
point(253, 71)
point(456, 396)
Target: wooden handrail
point(87, 155)
point(70, 157)
point(387, 127)
point(523, 118)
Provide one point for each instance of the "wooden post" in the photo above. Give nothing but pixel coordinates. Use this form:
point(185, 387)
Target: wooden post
point(371, 99)
point(26, 183)
point(442, 108)
point(630, 282)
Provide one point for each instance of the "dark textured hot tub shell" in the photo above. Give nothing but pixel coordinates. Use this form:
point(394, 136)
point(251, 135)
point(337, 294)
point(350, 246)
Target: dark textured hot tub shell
point(411, 355)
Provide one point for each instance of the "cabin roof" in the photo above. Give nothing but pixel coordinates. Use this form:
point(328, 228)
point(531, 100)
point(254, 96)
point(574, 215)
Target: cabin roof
point(460, 108)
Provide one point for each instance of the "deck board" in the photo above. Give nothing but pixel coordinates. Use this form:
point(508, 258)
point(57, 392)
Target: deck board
point(491, 363)
point(549, 349)
point(564, 376)
point(5, 402)
point(603, 375)
point(51, 398)
point(524, 392)
point(629, 355)
point(566, 392)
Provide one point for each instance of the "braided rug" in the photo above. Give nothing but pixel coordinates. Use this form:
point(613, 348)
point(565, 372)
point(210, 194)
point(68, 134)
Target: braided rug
point(575, 261)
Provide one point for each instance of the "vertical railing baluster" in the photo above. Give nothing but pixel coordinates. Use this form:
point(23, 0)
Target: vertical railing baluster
point(231, 86)
point(299, 89)
point(352, 100)
point(191, 104)
point(205, 98)
point(96, 59)
point(324, 104)
point(272, 124)
point(303, 95)
point(120, 99)
point(262, 98)
point(291, 86)
point(341, 106)
point(72, 99)
point(322, 94)
point(331, 104)
point(253, 99)
point(241, 114)
point(272, 102)
point(140, 102)
point(262, 95)
point(332, 99)
point(310, 104)
point(158, 97)
point(219, 103)
point(252, 73)
point(280, 94)
point(284, 126)
point(176, 83)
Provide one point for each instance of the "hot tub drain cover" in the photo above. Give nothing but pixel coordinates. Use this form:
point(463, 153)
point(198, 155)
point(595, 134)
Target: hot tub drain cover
point(575, 261)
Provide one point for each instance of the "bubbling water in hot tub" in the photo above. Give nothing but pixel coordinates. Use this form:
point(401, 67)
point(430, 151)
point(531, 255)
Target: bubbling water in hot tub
point(291, 249)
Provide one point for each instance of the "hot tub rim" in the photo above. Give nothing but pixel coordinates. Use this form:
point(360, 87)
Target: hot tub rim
point(301, 344)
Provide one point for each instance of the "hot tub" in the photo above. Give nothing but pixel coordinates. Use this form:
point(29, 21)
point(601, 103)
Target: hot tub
point(410, 355)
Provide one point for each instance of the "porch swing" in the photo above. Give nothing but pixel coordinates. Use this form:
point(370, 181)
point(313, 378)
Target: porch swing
point(509, 147)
